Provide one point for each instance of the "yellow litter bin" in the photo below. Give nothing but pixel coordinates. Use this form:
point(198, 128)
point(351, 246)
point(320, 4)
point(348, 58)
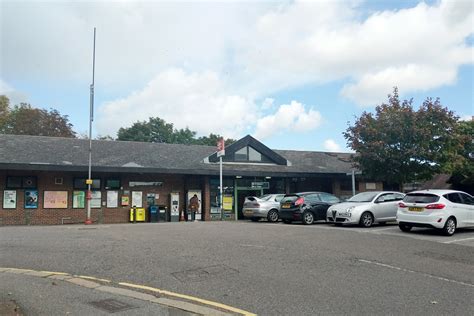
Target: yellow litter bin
point(140, 214)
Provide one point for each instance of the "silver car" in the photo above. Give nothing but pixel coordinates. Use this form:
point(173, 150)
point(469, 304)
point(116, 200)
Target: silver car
point(266, 206)
point(366, 208)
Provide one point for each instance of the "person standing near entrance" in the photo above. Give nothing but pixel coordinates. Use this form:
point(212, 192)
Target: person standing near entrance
point(193, 206)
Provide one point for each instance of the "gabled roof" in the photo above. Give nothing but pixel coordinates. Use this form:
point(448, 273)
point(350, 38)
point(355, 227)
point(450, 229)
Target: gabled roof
point(255, 144)
point(19, 152)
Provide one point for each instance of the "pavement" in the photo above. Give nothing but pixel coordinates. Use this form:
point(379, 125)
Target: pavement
point(65, 294)
point(242, 268)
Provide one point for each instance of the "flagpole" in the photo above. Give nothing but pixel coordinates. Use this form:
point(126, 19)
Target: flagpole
point(91, 118)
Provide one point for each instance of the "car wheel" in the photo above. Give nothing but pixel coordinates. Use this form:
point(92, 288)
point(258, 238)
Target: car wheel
point(272, 216)
point(449, 227)
point(255, 219)
point(308, 218)
point(287, 221)
point(366, 219)
point(404, 227)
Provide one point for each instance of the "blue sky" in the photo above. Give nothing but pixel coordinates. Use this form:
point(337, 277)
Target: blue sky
point(291, 73)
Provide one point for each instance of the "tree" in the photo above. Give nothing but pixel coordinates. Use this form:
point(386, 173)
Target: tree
point(398, 144)
point(212, 139)
point(4, 110)
point(23, 119)
point(463, 175)
point(157, 130)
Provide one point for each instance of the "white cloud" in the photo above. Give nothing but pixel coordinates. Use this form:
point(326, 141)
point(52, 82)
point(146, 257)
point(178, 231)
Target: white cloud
point(202, 102)
point(418, 48)
point(14, 95)
point(373, 87)
point(199, 101)
point(331, 145)
point(288, 118)
point(203, 64)
point(267, 103)
point(467, 118)
point(135, 40)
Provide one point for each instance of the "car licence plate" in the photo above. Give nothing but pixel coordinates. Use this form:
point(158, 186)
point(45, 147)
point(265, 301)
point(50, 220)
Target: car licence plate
point(415, 209)
point(285, 205)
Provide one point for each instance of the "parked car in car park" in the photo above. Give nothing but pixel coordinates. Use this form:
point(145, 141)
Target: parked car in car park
point(366, 208)
point(307, 207)
point(266, 206)
point(445, 210)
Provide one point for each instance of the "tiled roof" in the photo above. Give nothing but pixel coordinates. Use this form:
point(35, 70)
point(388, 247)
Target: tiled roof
point(70, 154)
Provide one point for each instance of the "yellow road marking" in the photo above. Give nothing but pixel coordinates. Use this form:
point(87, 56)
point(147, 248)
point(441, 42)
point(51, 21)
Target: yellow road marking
point(188, 297)
point(56, 273)
point(148, 288)
point(92, 278)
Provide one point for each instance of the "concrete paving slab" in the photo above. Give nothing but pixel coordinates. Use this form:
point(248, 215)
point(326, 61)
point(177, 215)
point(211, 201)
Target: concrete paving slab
point(198, 309)
point(125, 292)
point(60, 276)
point(84, 283)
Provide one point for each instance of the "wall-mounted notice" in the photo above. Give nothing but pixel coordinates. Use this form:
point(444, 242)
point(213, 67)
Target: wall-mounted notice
point(9, 199)
point(55, 199)
point(137, 198)
point(112, 199)
point(78, 199)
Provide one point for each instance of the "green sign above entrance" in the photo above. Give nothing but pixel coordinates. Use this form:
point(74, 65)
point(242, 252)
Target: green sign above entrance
point(261, 185)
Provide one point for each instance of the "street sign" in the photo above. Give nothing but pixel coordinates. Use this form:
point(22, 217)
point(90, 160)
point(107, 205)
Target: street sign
point(261, 185)
point(220, 147)
point(355, 172)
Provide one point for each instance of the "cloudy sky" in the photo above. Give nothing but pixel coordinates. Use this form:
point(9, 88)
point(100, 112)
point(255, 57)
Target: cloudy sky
point(290, 73)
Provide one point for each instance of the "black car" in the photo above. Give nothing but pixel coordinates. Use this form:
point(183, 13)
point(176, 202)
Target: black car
point(306, 207)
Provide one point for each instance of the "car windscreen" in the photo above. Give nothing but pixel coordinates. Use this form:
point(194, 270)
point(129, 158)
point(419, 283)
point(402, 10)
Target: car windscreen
point(265, 197)
point(420, 198)
point(363, 197)
point(289, 199)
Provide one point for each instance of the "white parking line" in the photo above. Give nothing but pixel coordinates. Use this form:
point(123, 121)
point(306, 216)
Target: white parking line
point(458, 240)
point(381, 229)
point(260, 246)
point(416, 272)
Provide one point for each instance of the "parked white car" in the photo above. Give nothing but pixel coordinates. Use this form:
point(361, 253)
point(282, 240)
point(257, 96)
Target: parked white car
point(366, 208)
point(445, 210)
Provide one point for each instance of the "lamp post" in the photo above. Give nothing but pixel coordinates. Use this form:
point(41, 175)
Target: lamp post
point(91, 118)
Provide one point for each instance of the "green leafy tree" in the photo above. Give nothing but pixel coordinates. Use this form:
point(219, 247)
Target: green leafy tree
point(4, 110)
point(157, 130)
point(398, 144)
point(212, 139)
point(23, 119)
point(463, 175)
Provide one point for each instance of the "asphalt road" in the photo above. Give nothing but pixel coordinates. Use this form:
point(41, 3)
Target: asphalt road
point(265, 268)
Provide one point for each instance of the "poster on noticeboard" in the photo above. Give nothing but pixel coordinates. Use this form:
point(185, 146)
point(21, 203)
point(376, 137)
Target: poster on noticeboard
point(9, 199)
point(55, 199)
point(31, 199)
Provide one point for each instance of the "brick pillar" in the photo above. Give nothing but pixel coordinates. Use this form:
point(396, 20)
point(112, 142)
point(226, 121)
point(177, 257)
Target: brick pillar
point(206, 198)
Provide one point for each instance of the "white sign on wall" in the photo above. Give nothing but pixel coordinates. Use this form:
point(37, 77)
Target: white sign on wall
point(112, 199)
point(9, 199)
point(137, 198)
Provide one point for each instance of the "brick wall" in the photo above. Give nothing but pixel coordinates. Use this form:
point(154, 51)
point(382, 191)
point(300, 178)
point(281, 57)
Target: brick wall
point(46, 182)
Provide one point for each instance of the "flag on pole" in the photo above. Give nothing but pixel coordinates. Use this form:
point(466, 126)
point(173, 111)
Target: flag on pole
point(220, 147)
